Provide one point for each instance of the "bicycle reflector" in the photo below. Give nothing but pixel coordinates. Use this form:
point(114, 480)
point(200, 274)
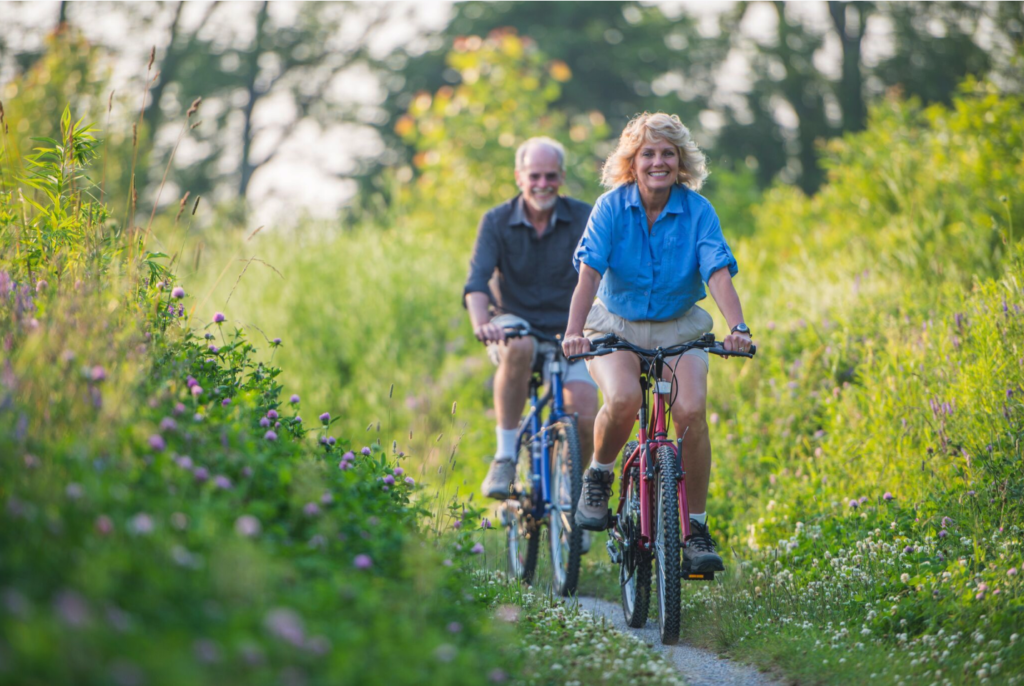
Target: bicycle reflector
point(663, 387)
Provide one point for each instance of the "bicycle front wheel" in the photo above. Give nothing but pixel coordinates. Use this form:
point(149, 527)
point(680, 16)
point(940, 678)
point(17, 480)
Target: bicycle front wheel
point(522, 530)
point(667, 545)
point(564, 535)
point(634, 561)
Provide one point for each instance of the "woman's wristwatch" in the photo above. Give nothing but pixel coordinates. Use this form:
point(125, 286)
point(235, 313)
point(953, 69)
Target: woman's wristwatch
point(741, 328)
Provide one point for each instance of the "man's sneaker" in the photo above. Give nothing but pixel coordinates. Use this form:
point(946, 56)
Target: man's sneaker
point(499, 479)
point(592, 509)
point(699, 556)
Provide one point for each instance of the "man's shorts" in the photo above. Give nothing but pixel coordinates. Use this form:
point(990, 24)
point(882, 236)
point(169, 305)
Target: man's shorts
point(571, 372)
point(647, 334)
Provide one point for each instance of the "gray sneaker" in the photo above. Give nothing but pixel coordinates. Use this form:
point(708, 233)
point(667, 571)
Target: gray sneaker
point(592, 509)
point(499, 479)
point(699, 555)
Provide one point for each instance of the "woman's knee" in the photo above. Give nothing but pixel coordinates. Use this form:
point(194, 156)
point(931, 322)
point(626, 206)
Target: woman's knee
point(693, 417)
point(623, 402)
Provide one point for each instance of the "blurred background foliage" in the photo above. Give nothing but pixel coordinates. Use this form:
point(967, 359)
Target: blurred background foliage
point(321, 86)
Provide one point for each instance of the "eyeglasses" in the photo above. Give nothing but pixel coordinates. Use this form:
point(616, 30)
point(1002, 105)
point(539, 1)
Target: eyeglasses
point(550, 177)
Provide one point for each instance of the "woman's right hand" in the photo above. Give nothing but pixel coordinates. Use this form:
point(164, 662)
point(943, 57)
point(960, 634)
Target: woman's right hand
point(575, 344)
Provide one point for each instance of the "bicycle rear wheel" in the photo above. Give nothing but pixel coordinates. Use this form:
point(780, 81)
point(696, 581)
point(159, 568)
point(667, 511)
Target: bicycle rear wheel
point(565, 537)
point(666, 533)
point(635, 563)
point(522, 531)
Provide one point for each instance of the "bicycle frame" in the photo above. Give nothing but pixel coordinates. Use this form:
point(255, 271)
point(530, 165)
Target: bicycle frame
point(531, 429)
point(649, 444)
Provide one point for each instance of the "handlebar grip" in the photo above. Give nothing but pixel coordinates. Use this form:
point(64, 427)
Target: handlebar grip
point(592, 353)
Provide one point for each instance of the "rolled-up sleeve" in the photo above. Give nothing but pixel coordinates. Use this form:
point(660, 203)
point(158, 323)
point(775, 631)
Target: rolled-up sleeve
point(594, 248)
point(483, 261)
point(713, 252)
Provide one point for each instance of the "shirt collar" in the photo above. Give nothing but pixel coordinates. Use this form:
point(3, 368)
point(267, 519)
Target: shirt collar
point(518, 216)
point(676, 200)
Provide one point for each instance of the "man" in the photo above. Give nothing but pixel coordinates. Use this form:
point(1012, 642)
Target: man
point(526, 245)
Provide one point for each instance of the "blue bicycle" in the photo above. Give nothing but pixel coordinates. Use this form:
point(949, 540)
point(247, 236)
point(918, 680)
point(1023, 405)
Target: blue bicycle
point(549, 476)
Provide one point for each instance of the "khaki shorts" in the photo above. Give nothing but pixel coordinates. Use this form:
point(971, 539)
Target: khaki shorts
point(576, 371)
point(647, 334)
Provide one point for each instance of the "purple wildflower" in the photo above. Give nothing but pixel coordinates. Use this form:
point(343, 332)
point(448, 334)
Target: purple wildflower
point(909, 549)
point(943, 533)
point(398, 471)
point(311, 509)
point(179, 408)
point(98, 373)
point(247, 525)
point(485, 523)
point(854, 504)
point(222, 482)
point(272, 414)
point(389, 480)
point(331, 440)
point(327, 498)
point(362, 562)
point(178, 292)
point(454, 628)
point(201, 474)
point(344, 465)
point(225, 402)
point(168, 424)
point(294, 399)
point(264, 422)
point(325, 418)
point(270, 435)
point(218, 317)
point(72, 608)
point(365, 451)
point(191, 382)
point(276, 341)
point(141, 524)
point(197, 390)
point(214, 349)
point(887, 497)
point(477, 548)
point(1012, 571)
point(409, 480)
point(349, 456)
point(184, 461)
point(157, 443)
point(247, 472)
point(286, 625)
point(104, 525)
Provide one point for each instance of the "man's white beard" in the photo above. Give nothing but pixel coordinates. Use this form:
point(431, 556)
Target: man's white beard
point(543, 205)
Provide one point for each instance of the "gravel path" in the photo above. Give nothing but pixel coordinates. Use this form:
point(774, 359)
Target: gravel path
point(699, 667)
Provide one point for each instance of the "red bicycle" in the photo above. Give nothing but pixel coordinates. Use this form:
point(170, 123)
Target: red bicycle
point(643, 532)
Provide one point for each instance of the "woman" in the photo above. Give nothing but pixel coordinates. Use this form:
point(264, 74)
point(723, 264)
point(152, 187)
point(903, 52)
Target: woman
point(651, 243)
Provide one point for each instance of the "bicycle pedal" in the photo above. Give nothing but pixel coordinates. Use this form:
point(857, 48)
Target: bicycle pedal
point(696, 576)
point(613, 552)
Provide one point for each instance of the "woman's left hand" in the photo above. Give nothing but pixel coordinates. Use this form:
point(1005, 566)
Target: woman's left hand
point(737, 342)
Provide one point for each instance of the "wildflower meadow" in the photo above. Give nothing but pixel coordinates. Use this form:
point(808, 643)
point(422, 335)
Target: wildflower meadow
point(230, 454)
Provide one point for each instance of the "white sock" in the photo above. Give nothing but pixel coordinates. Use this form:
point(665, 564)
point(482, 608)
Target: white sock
point(506, 443)
point(701, 518)
point(594, 464)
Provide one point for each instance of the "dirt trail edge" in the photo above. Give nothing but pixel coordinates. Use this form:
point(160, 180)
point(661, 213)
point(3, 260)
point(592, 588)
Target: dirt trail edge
point(699, 667)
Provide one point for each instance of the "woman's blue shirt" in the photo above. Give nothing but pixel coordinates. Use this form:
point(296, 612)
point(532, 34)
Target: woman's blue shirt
point(654, 275)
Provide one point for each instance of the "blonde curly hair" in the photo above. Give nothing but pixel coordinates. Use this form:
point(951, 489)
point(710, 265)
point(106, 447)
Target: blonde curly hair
point(647, 127)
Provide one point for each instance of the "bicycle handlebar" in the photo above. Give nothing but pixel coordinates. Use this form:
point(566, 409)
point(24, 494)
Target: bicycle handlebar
point(520, 331)
point(610, 343)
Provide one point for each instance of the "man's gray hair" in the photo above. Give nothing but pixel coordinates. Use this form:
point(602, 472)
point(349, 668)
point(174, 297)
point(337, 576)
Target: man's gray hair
point(540, 142)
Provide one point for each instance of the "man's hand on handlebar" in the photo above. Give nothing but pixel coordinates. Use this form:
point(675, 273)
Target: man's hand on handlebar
point(489, 333)
point(575, 344)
